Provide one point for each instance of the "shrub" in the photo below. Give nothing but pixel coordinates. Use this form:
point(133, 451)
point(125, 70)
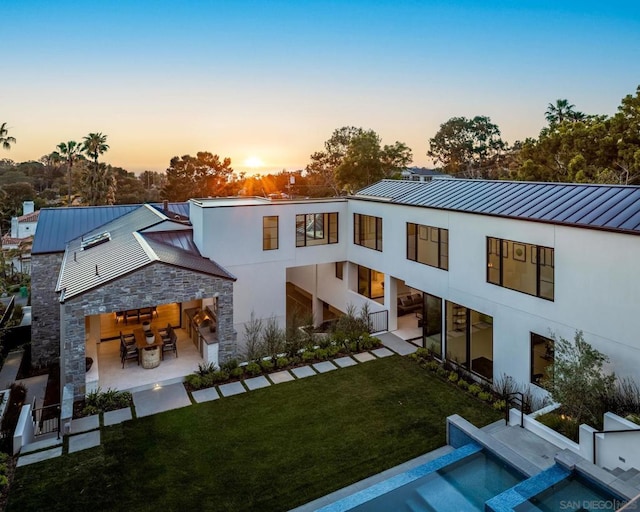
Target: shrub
point(422, 353)
point(219, 376)
point(253, 369)
point(194, 381)
point(308, 355)
point(453, 377)
point(432, 366)
point(103, 401)
point(483, 395)
point(441, 372)
point(499, 405)
point(230, 365)
point(333, 350)
point(322, 354)
point(266, 365)
point(562, 424)
point(4, 481)
point(474, 389)
point(205, 368)
point(463, 384)
point(237, 373)
point(282, 362)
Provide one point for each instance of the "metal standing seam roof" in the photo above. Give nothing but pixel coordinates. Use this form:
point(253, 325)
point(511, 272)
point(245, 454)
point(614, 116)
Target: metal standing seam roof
point(608, 207)
point(58, 226)
point(125, 251)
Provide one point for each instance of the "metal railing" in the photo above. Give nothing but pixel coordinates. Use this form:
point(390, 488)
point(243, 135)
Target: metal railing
point(595, 439)
point(46, 420)
point(378, 321)
point(518, 398)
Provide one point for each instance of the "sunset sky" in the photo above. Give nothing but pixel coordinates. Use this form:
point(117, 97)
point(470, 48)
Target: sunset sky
point(270, 81)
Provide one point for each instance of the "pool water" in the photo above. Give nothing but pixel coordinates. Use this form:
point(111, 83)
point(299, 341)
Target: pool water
point(462, 486)
point(571, 494)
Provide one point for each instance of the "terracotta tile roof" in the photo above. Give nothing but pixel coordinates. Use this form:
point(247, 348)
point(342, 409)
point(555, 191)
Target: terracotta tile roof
point(29, 217)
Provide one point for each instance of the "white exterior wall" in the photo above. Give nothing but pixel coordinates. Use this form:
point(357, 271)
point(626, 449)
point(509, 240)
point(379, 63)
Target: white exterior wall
point(232, 237)
point(596, 280)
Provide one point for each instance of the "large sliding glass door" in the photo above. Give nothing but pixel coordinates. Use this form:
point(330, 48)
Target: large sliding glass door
point(469, 340)
point(432, 324)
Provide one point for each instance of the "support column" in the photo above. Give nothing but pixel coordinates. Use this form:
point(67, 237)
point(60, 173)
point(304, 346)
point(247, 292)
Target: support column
point(390, 299)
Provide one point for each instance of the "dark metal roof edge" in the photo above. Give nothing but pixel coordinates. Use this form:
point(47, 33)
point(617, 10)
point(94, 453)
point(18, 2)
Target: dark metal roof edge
point(539, 221)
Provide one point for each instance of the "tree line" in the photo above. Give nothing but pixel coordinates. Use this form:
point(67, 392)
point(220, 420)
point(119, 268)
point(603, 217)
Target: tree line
point(572, 147)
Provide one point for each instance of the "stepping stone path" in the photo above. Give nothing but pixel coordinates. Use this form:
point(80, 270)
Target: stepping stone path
point(85, 433)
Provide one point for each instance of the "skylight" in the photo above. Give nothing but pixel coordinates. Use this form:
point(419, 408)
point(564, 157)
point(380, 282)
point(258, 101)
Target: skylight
point(94, 240)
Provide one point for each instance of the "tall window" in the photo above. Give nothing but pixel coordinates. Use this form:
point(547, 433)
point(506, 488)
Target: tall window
point(316, 229)
point(367, 231)
point(432, 323)
point(370, 283)
point(269, 233)
point(469, 341)
point(340, 270)
point(428, 245)
point(541, 358)
point(526, 268)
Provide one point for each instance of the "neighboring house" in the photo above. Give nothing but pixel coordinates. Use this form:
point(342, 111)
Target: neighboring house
point(422, 174)
point(18, 242)
point(485, 272)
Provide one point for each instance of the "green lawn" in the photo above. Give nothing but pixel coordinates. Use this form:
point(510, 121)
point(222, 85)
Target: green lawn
point(270, 449)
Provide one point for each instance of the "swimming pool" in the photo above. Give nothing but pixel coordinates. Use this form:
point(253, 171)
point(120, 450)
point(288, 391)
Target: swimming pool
point(572, 493)
point(461, 480)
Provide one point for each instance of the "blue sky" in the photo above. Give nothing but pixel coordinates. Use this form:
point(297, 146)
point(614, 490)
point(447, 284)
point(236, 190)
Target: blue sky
point(272, 80)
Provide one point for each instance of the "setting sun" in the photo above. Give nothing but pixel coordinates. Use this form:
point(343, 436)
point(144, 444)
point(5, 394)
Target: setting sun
point(254, 162)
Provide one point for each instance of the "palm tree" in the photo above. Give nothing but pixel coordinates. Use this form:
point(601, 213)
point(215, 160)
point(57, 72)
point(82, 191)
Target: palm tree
point(70, 150)
point(94, 145)
point(562, 111)
point(5, 140)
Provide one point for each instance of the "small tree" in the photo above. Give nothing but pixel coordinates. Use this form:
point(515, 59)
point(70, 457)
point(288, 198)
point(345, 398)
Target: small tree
point(577, 379)
point(253, 338)
point(272, 338)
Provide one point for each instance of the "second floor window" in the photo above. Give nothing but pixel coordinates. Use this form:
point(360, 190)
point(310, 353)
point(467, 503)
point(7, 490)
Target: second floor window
point(316, 229)
point(526, 268)
point(428, 245)
point(269, 233)
point(367, 231)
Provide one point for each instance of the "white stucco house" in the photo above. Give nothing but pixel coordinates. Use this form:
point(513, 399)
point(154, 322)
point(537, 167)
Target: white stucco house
point(498, 267)
point(22, 231)
point(485, 273)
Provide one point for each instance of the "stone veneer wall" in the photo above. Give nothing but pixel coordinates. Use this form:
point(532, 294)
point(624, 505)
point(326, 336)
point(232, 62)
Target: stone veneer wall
point(45, 323)
point(153, 285)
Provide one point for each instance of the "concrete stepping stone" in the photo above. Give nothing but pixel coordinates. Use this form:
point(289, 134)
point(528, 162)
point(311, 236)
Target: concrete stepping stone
point(205, 395)
point(324, 367)
point(84, 441)
point(32, 458)
point(257, 383)
point(303, 371)
point(280, 377)
point(49, 442)
point(85, 424)
point(233, 388)
point(382, 352)
point(10, 368)
point(118, 416)
point(363, 357)
point(344, 362)
point(160, 399)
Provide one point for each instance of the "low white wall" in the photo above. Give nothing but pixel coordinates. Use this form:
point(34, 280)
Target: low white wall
point(618, 450)
point(211, 353)
point(544, 432)
point(24, 429)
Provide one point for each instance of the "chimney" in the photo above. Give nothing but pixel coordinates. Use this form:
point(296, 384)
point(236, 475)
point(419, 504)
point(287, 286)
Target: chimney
point(165, 205)
point(27, 207)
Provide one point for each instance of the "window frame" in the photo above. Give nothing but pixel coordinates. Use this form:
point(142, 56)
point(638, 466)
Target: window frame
point(359, 220)
point(545, 340)
point(499, 247)
point(329, 219)
point(440, 245)
point(271, 229)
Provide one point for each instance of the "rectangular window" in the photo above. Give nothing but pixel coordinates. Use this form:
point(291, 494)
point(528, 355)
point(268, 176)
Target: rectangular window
point(269, 233)
point(469, 341)
point(367, 231)
point(526, 268)
point(432, 324)
point(370, 283)
point(541, 359)
point(340, 270)
point(316, 229)
point(428, 245)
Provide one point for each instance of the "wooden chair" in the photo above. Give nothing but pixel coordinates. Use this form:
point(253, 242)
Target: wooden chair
point(131, 313)
point(128, 348)
point(170, 343)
